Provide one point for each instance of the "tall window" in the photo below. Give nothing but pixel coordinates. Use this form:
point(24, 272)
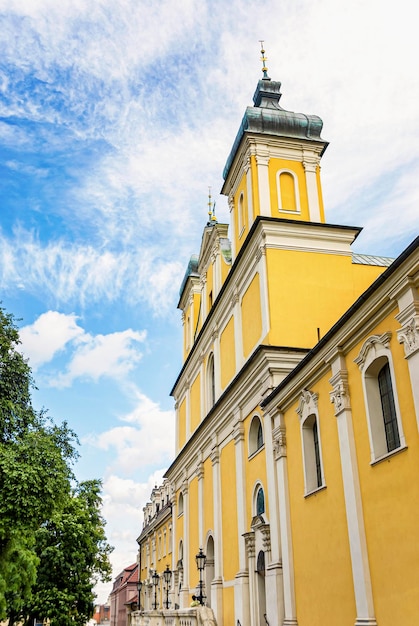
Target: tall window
point(388, 408)
point(211, 381)
point(288, 196)
point(311, 442)
point(311, 451)
point(255, 435)
point(260, 502)
point(242, 215)
point(381, 404)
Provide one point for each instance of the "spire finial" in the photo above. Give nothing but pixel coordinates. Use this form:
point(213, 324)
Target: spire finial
point(211, 210)
point(263, 59)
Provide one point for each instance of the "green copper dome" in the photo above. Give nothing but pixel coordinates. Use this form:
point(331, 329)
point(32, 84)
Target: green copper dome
point(267, 117)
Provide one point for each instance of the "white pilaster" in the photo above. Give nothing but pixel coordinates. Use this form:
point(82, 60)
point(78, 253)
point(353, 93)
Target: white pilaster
point(184, 594)
point(249, 192)
point(310, 166)
point(241, 587)
point(352, 492)
point(217, 583)
point(274, 582)
point(280, 454)
point(262, 161)
point(201, 504)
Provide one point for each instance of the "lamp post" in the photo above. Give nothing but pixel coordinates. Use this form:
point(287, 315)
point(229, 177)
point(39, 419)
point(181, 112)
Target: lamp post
point(167, 576)
point(156, 579)
point(201, 559)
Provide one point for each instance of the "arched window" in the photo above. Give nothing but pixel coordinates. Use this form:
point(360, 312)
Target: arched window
point(260, 502)
point(310, 438)
point(260, 563)
point(384, 423)
point(242, 214)
point(211, 381)
point(180, 504)
point(255, 435)
point(388, 408)
point(288, 196)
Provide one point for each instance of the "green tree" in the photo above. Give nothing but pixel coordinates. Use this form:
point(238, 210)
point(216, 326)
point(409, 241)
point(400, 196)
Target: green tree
point(73, 555)
point(37, 490)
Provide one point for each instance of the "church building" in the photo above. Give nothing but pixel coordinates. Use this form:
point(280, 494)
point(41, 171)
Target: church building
point(297, 405)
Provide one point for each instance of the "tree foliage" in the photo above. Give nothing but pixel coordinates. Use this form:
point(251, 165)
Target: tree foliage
point(72, 551)
point(40, 508)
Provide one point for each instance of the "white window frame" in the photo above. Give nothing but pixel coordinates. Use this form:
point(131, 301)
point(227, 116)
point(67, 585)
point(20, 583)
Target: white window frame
point(253, 435)
point(374, 354)
point(296, 192)
point(308, 411)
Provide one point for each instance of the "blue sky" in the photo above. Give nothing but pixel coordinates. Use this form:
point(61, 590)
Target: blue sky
point(115, 117)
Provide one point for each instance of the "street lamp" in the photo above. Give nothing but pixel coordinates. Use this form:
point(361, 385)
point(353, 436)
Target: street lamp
point(201, 559)
point(156, 579)
point(167, 576)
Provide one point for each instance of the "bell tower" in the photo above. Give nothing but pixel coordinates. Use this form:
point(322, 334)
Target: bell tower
point(273, 169)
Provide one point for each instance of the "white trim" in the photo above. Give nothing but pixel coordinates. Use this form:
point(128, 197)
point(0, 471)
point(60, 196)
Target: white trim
point(262, 161)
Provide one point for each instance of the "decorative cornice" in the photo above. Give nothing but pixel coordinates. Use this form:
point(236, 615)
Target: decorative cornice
point(340, 394)
point(200, 471)
point(308, 403)
point(371, 344)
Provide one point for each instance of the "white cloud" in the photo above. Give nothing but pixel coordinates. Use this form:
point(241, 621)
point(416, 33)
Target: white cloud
point(49, 334)
point(113, 355)
point(123, 501)
point(149, 439)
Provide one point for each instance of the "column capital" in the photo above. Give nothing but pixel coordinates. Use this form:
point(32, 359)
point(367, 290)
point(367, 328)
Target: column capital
point(408, 335)
point(340, 394)
point(280, 442)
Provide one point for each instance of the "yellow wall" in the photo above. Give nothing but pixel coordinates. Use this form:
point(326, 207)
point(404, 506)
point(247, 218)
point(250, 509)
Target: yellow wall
point(390, 495)
point(228, 605)
point(182, 424)
point(331, 284)
point(324, 591)
point(276, 165)
point(229, 511)
point(195, 403)
point(251, 316)
point(227, 353)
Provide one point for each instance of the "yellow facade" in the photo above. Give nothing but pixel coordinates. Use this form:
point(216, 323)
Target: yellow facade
point(297, 403)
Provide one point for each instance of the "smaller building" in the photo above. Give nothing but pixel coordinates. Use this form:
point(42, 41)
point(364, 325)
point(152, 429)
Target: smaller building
point(124, 596)
point(102, 614)
point(155, 551)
